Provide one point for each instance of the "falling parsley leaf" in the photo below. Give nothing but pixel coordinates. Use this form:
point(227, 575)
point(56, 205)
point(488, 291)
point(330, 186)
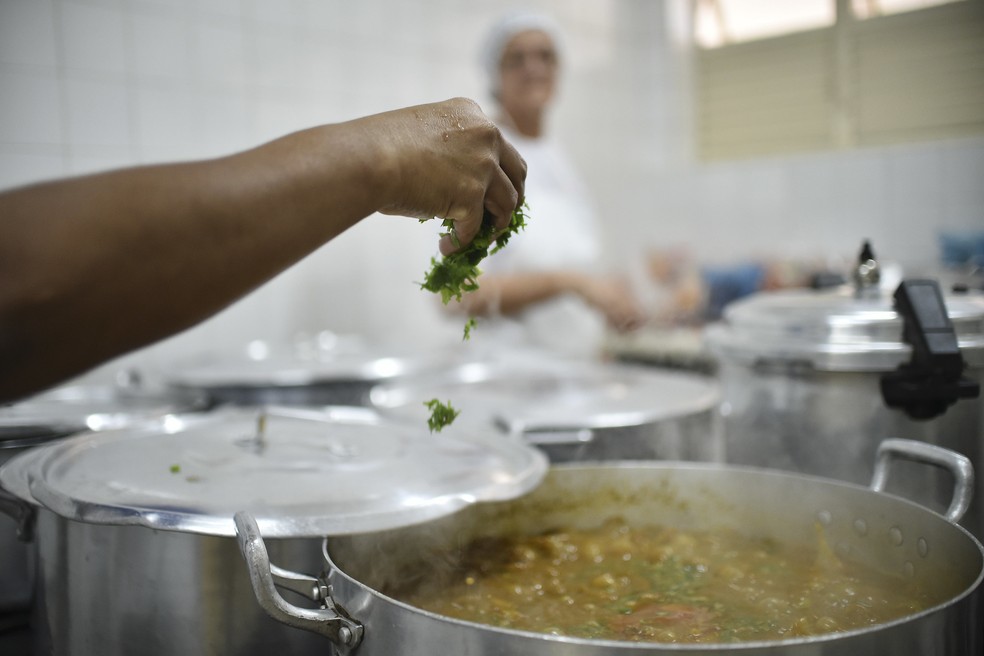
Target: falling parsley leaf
point(441, 414)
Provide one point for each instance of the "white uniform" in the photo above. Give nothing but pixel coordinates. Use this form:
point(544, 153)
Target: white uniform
point(561, 234)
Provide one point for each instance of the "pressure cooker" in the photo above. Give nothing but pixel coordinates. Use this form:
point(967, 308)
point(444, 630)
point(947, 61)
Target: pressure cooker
point(812, 381)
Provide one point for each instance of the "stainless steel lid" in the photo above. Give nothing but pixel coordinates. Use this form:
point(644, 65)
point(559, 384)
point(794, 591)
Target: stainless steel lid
point(543, 394)
point(262, 365)
point(81, 406)
point(835, 330)
point(301, 473)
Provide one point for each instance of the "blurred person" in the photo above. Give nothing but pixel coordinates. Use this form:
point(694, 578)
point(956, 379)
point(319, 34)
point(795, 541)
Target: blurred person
point(545, 289)
point(94, 266)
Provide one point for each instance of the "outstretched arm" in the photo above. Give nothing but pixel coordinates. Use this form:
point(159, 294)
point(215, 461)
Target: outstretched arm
point(95, 266)
point(510, 294)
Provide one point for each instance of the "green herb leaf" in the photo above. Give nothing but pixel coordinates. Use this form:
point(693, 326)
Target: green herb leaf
point(175, 469)
point(441, 414)
point(468, 327)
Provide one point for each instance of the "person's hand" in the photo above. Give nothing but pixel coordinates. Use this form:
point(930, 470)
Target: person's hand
point(448, 160)
point(613, 297)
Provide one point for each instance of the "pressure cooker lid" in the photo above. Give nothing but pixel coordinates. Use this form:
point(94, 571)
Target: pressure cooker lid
point(301, 473)
point(835, 329)
point(80, 406)
point(552, 394)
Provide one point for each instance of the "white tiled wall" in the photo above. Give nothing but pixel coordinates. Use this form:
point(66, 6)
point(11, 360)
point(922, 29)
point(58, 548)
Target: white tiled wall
point(93, 84)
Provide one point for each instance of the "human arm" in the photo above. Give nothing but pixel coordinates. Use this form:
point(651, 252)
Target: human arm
point(510, 294)
point(95, 266)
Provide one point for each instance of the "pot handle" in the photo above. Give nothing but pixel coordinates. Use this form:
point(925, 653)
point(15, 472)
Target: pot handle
point(330, 621)
point(957, 464)
point(544, 435)
point(21, 512)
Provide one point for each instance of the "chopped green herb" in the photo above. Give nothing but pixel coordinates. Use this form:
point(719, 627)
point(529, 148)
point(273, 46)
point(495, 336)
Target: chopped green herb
point(455, 274)
point(441, 414)
point(175, 469)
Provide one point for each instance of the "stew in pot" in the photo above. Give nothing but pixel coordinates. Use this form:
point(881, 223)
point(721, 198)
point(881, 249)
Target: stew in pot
point(660, 584)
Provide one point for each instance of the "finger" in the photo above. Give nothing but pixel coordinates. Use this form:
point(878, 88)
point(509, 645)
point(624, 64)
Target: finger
point(467, 223)
point(514, 166)
point(501, 200)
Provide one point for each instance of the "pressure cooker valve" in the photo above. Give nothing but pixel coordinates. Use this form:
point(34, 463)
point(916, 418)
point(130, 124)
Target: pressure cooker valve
point(933, 378)
point(867, 274)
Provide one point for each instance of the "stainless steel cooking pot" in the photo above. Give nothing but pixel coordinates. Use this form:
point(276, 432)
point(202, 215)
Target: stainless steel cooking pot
point(134, 527)
point(812, 381)
point(303, 374)
point(574, 410)
point(863, 525)
point(76, 407)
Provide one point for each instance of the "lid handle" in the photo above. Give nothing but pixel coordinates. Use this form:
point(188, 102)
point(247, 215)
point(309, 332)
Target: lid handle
point(933, 379)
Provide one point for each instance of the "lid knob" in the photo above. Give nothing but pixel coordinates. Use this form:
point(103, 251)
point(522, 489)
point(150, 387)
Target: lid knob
point(867, 274)
point(933, 379)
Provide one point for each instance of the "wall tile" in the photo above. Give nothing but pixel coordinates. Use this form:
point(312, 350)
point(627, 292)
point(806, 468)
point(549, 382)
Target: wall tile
point(18, 167)
point(90, 159)
point(161, 46)
point(92, 38)
point(27, 32)
point(98, 112)
point(29, 108)
point(223, 121)
point(164, 121)
point(219, 53)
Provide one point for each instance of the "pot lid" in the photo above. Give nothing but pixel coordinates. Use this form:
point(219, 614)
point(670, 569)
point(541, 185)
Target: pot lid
point(261, 365)
point(301, 473)
point(80, 406)
point(544, 394)
point(837, 329)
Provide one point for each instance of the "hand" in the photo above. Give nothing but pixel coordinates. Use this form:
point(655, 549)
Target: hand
point(448, 160)
point(615, 300)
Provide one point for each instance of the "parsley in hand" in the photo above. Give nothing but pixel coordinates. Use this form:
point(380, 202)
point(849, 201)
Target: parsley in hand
point(457, 273)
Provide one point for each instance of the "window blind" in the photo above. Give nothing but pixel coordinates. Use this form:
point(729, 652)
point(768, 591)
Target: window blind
point(889, 79)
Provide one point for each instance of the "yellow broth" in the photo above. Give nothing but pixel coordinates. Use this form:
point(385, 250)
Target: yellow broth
point(660, 584)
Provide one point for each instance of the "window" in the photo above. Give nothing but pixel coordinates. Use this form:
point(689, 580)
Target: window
point(880, 71)
point(871, 8)
point(718, 22)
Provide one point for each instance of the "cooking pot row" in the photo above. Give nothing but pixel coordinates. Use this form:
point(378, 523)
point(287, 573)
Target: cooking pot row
point(122, 589)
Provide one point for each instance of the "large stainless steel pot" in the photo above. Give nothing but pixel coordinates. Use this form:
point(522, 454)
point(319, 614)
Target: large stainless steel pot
point(134, 527)
point(78, 406)
point(306, 374)
point(862, 525)
point(811, 382)
point(573, 410)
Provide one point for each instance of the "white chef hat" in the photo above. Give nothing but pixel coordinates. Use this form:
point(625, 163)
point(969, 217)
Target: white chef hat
point(503, 31)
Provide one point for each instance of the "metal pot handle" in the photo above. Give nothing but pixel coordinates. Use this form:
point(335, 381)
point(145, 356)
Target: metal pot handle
point(545, 434)
point(957, 464)
point(330, 621)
